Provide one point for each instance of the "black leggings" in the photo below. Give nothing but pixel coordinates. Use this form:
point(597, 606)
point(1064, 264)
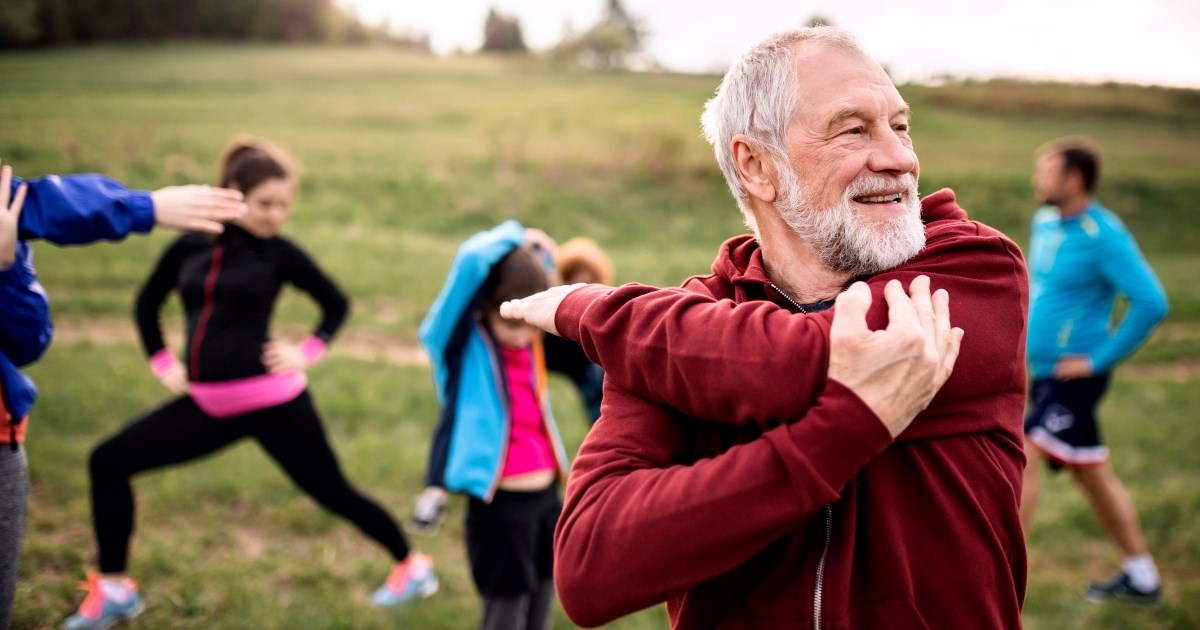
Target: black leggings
point(291, 433)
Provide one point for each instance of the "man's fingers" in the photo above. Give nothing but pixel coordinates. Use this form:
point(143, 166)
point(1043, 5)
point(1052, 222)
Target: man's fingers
point(5, 185)
point(227, 193)
point(956, 337)
point(222, 203)
point(941, 313)
point(204, 225)
point(918, 291)
point(18, 201)
point(901, 312)
point(512, 309)
point(850, 311)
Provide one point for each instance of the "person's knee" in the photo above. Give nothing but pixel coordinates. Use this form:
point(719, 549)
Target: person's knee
point(107, 459)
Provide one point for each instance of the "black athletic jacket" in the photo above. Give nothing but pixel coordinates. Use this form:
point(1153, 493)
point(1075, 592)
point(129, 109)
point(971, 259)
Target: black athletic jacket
point(228, 285)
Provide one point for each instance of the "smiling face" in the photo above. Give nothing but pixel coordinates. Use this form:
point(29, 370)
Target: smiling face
point(849, 187)
point(268, 206)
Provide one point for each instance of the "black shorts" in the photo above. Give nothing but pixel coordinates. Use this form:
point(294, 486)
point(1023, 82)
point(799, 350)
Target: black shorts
point(510, 541)
point(1062, 420)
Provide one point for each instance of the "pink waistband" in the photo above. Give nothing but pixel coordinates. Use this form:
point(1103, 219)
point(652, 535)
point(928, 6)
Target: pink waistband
point(226, 399)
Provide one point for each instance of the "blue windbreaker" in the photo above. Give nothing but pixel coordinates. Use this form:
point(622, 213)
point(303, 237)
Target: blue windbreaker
point(65, 210)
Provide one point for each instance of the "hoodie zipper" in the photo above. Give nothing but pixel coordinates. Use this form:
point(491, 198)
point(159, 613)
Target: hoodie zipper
point(210, 285)
point(789, 298)
point(819, 587)
point(818, 590)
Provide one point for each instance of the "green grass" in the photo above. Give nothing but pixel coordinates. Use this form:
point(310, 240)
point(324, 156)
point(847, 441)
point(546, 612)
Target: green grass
point(403, 157)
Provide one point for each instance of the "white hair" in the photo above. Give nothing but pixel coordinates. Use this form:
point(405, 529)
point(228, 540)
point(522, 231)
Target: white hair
point(759, 96)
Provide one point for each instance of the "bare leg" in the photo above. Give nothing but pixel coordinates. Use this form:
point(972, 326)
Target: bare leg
point(1113, 507)
point(1030, 490)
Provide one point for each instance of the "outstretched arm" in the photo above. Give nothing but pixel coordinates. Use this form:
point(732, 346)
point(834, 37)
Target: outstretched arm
point(708, 357)
point(78, 209)
point(710, 514)
point(876, 365)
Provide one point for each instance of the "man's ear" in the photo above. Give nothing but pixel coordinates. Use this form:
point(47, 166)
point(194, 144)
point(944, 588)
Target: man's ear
point(755, 168)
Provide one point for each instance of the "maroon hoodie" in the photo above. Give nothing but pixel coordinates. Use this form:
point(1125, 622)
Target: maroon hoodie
point(730, 479)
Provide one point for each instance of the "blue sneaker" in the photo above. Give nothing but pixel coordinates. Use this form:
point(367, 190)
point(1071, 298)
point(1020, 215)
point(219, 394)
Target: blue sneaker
point(408, 580)
point(1120, 588)
point(429, 512)
point(98, 612)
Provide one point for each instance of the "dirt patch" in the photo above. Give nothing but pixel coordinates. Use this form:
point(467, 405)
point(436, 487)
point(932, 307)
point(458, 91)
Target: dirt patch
point(361, 344)
point(371, 345)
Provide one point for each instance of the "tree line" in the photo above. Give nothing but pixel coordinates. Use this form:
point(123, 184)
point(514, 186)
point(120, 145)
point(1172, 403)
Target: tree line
point(40, 23)
point(35, 23)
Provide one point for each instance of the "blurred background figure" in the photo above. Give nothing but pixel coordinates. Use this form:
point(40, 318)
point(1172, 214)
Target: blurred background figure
point(1081, 259)
point(496, 440)
point(65, 210)
point(234, 382)
point(580, 260)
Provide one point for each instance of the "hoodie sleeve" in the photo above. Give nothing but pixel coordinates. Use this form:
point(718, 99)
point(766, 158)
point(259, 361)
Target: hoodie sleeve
point(638, 527)
point(25, 327)
point(755, 362)
point(78, 209)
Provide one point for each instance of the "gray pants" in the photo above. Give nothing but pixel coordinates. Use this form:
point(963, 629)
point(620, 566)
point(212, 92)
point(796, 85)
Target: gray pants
point(523, 612)
point(14, 495)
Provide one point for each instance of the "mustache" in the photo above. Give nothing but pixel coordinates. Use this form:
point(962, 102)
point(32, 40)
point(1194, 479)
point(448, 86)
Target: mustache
point(875, 184)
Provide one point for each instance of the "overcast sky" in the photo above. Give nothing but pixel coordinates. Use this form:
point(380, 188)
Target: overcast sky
point(1137, 41)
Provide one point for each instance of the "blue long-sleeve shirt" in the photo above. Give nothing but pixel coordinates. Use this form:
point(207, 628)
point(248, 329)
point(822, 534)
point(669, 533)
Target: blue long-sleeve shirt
point(1078, 266)
point(65, 210)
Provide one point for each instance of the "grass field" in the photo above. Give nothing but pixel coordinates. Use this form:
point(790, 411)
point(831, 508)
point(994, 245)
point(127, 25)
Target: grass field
point(405, 156)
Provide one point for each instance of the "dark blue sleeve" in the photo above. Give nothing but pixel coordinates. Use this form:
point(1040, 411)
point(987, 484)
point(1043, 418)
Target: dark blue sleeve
point(77, 209)
point(25, 327)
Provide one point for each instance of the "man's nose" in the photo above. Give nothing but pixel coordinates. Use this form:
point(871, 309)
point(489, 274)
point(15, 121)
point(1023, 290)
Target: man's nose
point(889, 153)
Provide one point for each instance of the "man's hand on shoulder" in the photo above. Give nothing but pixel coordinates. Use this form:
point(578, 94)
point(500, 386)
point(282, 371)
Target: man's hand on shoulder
point(898, 370)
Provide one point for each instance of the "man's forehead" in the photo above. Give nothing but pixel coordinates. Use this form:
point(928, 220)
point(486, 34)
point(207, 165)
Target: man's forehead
point(835, 80)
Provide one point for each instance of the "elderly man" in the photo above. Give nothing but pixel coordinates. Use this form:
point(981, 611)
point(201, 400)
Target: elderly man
point(752, 465)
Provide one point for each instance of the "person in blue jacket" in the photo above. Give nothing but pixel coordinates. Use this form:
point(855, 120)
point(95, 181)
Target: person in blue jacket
point(65, 210)
point(496, 440)
point(1081, 258)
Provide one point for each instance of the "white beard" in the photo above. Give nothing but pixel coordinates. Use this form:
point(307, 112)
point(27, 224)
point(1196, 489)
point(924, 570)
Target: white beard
point(849, 243)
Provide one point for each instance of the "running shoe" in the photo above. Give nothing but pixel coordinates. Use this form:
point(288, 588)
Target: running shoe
point(408, 580)
point(429, 513)
point(99, 612)
point(1121, 589)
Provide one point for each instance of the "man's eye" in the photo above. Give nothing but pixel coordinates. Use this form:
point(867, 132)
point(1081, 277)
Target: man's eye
point(854, 131)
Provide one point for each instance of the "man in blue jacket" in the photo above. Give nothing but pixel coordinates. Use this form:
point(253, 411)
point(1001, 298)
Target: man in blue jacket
point(66, 210)
point(1081, 258)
